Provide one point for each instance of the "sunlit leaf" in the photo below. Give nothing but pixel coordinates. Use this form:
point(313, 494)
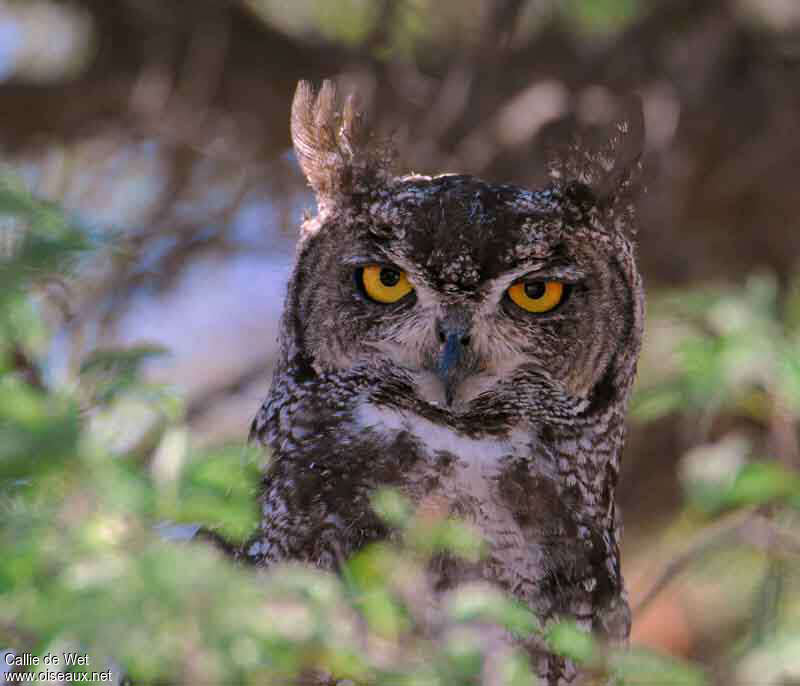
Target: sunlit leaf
point(762, 482)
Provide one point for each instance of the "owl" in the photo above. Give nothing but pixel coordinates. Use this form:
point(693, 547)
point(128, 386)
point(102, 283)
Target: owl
point(468, 344)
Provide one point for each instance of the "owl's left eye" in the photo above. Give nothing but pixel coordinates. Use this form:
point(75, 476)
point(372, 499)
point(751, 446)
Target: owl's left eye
point(384, 284)
point(537, 296)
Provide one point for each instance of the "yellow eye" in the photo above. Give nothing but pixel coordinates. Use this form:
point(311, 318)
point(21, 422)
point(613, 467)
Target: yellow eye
point(385, 284)
point(537, 296)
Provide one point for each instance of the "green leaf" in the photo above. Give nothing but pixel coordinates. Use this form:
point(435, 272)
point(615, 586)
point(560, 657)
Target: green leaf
point(633, 667)
point(650, 404)
point(373, 566)
point(762, 482)
point(37, 431)
point(709, 471)
point(217, 490)
point(431, 536)
point(481, 602)
point(383, 613)
point(113, 371)
point(515, 670)
point(601, 16)
point(565, 638)
point(392, 507)
point(43, 242)
point(464, 658)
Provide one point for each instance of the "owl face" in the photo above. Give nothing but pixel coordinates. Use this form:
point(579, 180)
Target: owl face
point(465, 289)
point(468, 297)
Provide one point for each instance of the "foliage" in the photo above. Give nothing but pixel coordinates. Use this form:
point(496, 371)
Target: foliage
point(740, 350)
point(729, 360)
point(417, 27)
point(737, 353)
point(91, 563)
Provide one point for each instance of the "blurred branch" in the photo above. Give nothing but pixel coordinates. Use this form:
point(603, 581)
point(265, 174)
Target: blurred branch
point(764, 533)
point(26, 367)
point(246, 378)
point(748, 526)
point(783, 434)
point(261, 67)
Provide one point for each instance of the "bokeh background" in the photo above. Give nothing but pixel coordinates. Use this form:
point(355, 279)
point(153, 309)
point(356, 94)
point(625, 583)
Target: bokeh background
point(161, 127)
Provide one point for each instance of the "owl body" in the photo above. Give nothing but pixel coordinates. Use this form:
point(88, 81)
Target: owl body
point(471, 345)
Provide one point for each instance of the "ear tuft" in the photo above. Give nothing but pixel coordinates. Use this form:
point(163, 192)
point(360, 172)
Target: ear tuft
point(337, 152)
point(606, 161)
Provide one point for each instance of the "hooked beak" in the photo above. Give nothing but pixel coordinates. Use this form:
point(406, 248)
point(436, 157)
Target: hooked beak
point(449, 367)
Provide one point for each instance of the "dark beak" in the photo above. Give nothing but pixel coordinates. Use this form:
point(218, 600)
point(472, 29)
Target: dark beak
point(448, 364)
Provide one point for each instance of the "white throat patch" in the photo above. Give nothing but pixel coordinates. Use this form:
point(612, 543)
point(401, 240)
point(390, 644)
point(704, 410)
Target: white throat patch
point(479, 461)
point(437, 437)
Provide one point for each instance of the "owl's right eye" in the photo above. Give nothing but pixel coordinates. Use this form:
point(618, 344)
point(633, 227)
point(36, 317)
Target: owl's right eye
point(384, 284)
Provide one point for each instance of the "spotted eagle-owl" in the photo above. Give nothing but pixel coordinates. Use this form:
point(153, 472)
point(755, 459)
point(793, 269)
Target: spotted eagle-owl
point(465, 343)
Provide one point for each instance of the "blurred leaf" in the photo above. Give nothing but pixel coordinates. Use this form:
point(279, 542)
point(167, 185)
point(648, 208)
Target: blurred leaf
point(762, 482)
point(383, 613)
point(431, 535)
point(114, 371)
point(464, 658)
point(729, 358)
point(374, 575)
point(217, 490)
point(790, 376)
point(23, 326)
point(515, 670)
point(602, 16)
point(709, 471)
point(392, 507)
point(481, 602)
point(653, 403)
point(44, 242)
point(565, 638)
point(373, 566)
point(636, 666)
point(719, 476)
point(427, 534)
point(37, 431)
point(791, 308)
point(773, 663)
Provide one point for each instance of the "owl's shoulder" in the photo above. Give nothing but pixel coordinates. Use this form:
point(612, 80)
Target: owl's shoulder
point(323, 469)
point(299, 405)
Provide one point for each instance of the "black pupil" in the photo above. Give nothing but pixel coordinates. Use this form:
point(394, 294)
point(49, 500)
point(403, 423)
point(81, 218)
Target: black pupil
point(389, 277)
point(535, 289)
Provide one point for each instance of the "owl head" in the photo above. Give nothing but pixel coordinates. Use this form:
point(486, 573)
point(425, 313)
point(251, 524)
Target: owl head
point(476, 295)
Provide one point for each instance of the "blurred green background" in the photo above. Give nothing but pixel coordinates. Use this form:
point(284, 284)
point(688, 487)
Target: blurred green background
point(149, 203)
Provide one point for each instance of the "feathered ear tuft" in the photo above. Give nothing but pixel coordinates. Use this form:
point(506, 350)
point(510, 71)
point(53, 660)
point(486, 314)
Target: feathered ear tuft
point(337, 152)
point(604, 163)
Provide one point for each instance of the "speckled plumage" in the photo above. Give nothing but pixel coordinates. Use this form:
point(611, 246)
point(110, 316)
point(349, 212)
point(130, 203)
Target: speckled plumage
point(528, 446)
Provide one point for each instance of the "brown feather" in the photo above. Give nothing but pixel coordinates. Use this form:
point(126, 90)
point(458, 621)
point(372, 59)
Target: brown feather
point(337, 152)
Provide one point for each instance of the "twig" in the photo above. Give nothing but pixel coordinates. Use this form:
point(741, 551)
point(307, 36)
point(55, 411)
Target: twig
point(709, 538)
point(764, 533)
point(750, 526)
point(27, 368)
